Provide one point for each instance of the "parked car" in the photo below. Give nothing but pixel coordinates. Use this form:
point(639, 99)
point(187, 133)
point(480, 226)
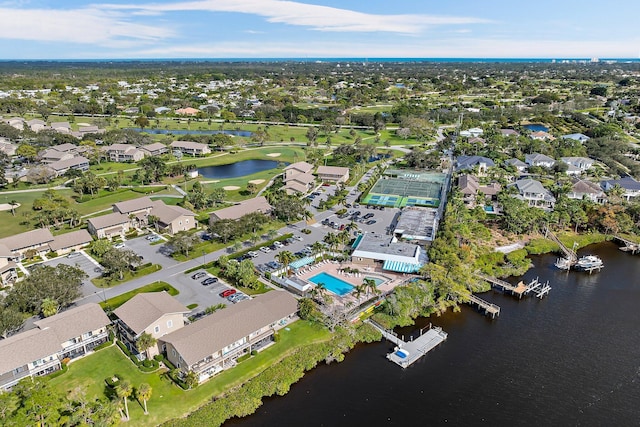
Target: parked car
point(298, 238)
point(209, 281)
point(371, 222)
point(274, 265)
point(367, 216)
point(119, 245)
point(74, 255)
point(151, 237)
point(227, 293)
point(265, 249)
point(198, 275)
point(252, 254)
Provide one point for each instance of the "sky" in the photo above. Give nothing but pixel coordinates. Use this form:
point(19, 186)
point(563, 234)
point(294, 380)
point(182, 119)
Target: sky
point(74, 29)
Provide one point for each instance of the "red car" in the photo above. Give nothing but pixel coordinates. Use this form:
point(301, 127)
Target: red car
point(227, 293)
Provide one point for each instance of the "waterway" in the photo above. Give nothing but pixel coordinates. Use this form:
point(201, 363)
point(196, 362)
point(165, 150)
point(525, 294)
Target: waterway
point(572, 358)
point(234, 170)
point(244, 133)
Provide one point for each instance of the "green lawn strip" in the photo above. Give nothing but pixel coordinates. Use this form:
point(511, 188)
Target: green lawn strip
point(108, 282)
point(169, 401)
point(542, 245)
point(106, 199)
point(115, 302)
point(9, 224)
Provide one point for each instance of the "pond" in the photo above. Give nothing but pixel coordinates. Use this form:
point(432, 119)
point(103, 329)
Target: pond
point(234, 170)
point(537, 127)
point(244, 133)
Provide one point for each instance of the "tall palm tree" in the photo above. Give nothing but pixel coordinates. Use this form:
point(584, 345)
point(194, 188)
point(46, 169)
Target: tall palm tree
point(144, 392)
point(285, 258)
point(13, 204)
point(370, 286)
point(124, 390)
point(316, 248)
point(358, 291)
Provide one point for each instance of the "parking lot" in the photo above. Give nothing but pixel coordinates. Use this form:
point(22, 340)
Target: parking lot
point(83, 262)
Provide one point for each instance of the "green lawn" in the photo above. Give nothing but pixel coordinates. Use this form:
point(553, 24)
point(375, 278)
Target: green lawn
point(169, 401)
point(9, 224)
point(115, 302)
point(108, 282)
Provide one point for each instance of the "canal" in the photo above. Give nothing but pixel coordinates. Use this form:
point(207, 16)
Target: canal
point(234, 170)
point(572, 358)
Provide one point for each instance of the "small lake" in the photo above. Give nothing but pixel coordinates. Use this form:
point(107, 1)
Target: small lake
point(234, 170)
point(244, 133)
point(537, 127)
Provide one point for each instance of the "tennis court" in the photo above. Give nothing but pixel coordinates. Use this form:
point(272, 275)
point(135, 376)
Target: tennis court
point(406, 188)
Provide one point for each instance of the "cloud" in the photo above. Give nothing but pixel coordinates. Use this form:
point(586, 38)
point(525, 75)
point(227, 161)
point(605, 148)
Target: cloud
point(316, 17)
point(87, 25)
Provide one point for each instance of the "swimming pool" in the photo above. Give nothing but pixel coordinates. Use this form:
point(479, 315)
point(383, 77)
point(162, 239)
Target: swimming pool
point(332, 283)
point(378, 280)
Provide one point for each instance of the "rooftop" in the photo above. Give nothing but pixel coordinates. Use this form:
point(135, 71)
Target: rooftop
point(144, 309)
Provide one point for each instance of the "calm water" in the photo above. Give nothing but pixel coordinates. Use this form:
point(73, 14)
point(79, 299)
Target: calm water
point(234, 170)
point(536, 127)
point(572, 358)
point(244, 133)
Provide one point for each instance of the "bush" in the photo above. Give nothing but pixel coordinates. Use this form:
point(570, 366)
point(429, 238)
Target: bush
point(112, 381)
point(306, 231)
point(254, 352)
point(59, 372)
point(103, 345)
point(243, 357)
point(158, 358)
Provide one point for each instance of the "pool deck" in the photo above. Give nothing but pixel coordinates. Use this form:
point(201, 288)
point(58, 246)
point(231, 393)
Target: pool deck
point(356, 279)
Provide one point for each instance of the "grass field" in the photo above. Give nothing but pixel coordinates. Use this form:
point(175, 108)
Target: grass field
point(168, 400)
point(115, 302)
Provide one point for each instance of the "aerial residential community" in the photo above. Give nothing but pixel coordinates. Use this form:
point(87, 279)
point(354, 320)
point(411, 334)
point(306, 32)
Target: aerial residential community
point(349, 234)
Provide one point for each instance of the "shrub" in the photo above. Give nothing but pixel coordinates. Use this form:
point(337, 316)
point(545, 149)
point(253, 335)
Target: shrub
point(59, 372)
point(103, 345)
point(243, 357)
point(159, 358)
point(254, 352)
point(112, 381)
point(306, 231)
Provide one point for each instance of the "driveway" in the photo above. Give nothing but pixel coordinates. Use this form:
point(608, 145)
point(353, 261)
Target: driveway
point(150, 253)
point(84, 262)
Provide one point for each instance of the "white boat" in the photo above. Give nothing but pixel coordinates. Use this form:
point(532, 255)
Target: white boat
point(589, 262)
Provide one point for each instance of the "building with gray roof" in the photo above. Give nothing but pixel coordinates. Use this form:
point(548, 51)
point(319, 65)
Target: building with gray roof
point(417, 224)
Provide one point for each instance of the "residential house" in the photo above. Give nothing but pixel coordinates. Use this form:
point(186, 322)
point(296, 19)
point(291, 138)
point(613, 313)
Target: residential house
point(534, 193)
point(630, 186)
point(191, 148)
point(51, 155)
point(85, 130)
point(123, 153)
point(298, 178)
point(470, 162)
point(7, 147)
point(587, 190)
point(61, 166)
point(518, 164)
point(162, 110)
point(173, 219)
point(40, 351)
point(537, 159)
point(34, 240)
point(155, 149)
point(36, 125)
point(297, 168)
point(214, 343)
point(61, 127)
point(8, 268)
point(577, 165)
point(576, 137)
point(473, 132)
point(333, 174)
point(109, 226)
point(542, 136)
point(509, 132)
point(69, 242)
point(141, 205)
point(154, 313)
point(235, 212)
point(15, 122)
point(470, 188)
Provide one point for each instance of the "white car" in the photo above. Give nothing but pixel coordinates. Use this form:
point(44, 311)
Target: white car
point(278, 244)
point(119, 245)
point(265, 249)
point(252, 254)
point(298, 238)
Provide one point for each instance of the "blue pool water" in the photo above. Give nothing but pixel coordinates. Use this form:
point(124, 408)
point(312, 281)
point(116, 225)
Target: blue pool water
point(378, 280)
point(488, 208)
point(537, 127)
point(332, 283)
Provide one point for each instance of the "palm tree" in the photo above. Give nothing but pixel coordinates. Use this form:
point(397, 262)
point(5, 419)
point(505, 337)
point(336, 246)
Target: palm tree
point(144, 392)
point(285, 257)
point(124, 390)
point(317, 247)
point(370, 285)
point(319, 292)
point(145, 342)
point(358, 291)
point(153, 220)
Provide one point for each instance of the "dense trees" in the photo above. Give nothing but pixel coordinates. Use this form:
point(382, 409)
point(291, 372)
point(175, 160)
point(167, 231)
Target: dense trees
point(117, 261)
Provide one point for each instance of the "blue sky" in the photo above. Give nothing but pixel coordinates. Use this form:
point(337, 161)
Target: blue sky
point(73, 29)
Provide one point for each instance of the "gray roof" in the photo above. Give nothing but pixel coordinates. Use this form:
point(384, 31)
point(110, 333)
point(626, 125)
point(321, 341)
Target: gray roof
point(417, 221)
point(37, 237)
point(75, 321)
point(576, 136)
point(537, 157)
point(67, 146)
point(332, 170)
point(144, 309)
point(586, 187)
point(5, 252)
point(468, 184)
point(532, 186)
point(189, 145)
point(257, 204)
point(52, 332)
point(382, 248)
point(108, 220)
point(68, 240)
point(627, 183)
point(516, 162)
point(154, 147)
point(468, 162)
point(207, 336)
point(167, 213)
point(134, 205)
point(69, 163)
point(300, 166)
point(27, 347)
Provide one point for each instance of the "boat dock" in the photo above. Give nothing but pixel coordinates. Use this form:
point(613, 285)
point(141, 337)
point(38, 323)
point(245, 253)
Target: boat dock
point(629, 246)
point(407, 352)
point(538, 288)
point(519, 289)
point(489, 309)
point(570, 255)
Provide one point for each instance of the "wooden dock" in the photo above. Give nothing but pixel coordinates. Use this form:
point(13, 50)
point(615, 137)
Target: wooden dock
point(405, 353)
point(570, 255)
point(518, 289)
point(629, 246)
point(489, 309)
